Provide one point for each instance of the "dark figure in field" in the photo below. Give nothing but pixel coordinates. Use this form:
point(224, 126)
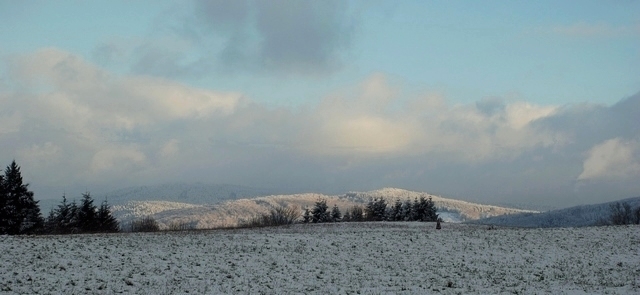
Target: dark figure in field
point(438, 226)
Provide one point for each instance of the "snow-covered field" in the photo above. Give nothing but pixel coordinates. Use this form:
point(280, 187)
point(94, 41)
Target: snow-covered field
point(345, 258)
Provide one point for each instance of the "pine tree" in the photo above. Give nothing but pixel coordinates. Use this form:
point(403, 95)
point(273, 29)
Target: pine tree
point(416, 210)
point(396, 213)
point(73, 222)
point(106, 221)
point(336, 215)
point(407, 210)
point(50, 223)
point(357, 213)
point(63, 217)
point(87, 215)
point(20, 213)
point(320, 212)
point(381, 209)
point(376, 209)
point(5, 209)
point(347, 216)
point(431, 211)
point(369, 210)
point(306, 217)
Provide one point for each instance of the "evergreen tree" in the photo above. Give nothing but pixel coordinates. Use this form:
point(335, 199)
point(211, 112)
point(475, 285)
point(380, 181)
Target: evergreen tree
point(369, 210)
point(87, 218)
point(376, 209)
point(416, 210)
point(20, 213)
point(106, 221)
point(320, 212)
point(5, 209)
point(381, 209)
point(388, 214)
point(396, 212)
point(63, 217)
point(306, 217)
point(336, 215)
point(73, 222)
point(50, 223)
point(407, 210)
point(357, 213)
point(347, 216)
point(431, 211)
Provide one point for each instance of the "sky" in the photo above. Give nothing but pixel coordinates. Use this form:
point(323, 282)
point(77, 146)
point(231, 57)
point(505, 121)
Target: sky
point(502, 102)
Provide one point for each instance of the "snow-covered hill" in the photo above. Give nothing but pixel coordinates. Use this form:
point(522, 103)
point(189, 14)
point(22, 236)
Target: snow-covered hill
point(190, 193)
point(228, 213)
point(585, 215)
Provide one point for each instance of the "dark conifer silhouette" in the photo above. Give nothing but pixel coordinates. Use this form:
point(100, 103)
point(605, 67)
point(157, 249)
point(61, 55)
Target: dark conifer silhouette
point(336, 215)
point(320, 212)
point(87, 214)
point(70, 218)
point(19, 212)
point(306, 217)
point(106, 222)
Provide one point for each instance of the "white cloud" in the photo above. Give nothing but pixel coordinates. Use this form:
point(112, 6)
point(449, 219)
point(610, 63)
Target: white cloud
point(170, 148)
point(47, 153)
point(614, 159)
point(374, 120)
point(117, 159)
point(85, 125)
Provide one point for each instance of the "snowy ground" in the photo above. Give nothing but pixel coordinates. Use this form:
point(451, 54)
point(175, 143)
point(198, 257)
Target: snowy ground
point(348, 258)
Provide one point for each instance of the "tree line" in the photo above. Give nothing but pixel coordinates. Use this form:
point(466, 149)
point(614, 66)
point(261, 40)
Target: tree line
point(20, 212)
point(622, 213)
point(377, 209)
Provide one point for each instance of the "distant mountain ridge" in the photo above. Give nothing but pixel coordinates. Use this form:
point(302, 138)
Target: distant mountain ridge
point(577, 216)
point(224, 211)
point(192, 193)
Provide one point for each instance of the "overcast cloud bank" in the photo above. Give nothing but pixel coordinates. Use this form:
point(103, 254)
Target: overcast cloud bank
point(71, 123)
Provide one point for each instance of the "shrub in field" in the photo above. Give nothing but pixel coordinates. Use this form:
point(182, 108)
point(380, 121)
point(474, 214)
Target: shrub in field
point(180, 226)
point(144, 224)
point(621, 213)
point(282, 215)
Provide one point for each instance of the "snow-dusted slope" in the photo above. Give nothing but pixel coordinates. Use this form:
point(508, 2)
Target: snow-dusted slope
point(585, 215)
point(345, 258)
point(448, 207)
point(228, 213)
point(190, 193)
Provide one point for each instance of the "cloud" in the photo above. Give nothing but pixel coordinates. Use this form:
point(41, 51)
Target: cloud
point(96, 121)
point(302, 36)
point(70, 122)
point(228, 36)
point(611, 160)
